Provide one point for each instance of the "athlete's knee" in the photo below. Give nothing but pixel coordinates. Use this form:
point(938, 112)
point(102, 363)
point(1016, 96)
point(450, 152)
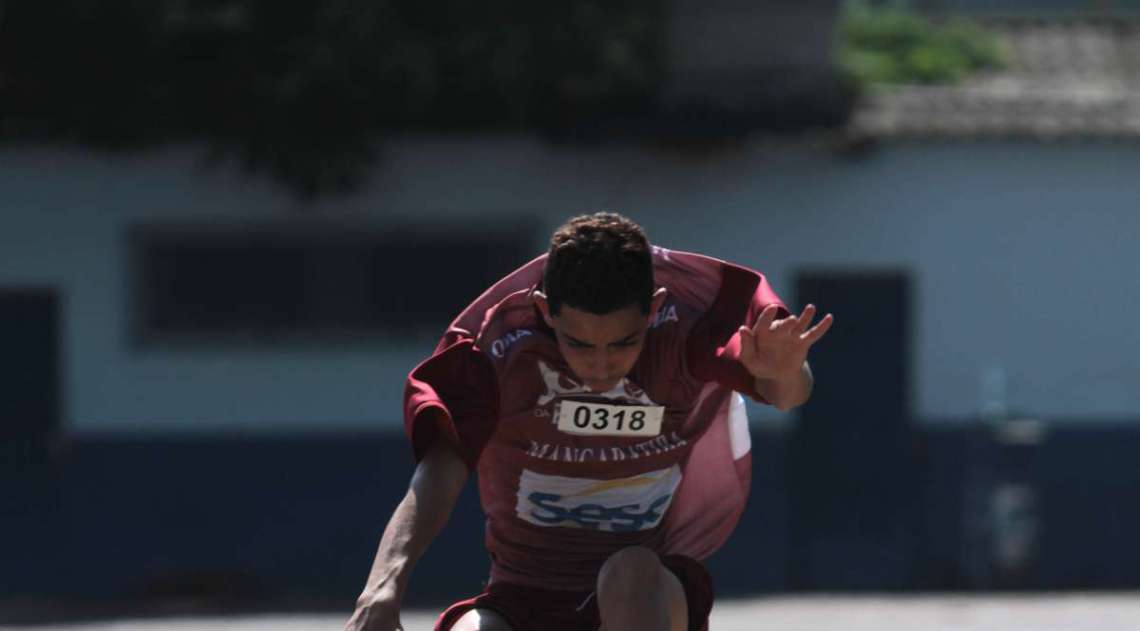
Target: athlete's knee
point(636, 590)
point(629, 571)
point(480, 620)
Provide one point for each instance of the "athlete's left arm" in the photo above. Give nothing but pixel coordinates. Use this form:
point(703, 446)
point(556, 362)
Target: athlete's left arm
point(774, 351)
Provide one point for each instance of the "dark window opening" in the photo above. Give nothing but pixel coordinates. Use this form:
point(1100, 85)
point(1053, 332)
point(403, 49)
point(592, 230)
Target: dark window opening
point(273, 285)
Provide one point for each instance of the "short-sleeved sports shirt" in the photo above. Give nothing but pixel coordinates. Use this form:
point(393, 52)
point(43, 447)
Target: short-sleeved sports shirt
point(568, 476)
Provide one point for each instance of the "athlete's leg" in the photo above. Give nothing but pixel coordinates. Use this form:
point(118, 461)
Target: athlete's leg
point(481, 620)
point(635, 591)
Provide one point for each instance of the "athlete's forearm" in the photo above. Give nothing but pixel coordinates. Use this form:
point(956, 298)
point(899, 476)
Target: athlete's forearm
point(435, 487)
point(787, 392)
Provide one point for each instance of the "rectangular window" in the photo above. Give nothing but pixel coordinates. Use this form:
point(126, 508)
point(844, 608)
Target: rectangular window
point(272, 285)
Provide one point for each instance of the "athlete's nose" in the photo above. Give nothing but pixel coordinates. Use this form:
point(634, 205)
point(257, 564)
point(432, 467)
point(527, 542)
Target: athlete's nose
point(599, 367)
point(605, 369)
point(606, 365)
point(598, 361)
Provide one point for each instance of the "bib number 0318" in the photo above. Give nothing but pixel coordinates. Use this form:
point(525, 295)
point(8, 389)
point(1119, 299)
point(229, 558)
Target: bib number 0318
point(600, 419)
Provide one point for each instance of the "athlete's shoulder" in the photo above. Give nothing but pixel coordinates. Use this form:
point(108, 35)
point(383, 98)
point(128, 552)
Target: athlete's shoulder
point(503, 298)
point(507, 289)
point(508, 323)
point(700, 281)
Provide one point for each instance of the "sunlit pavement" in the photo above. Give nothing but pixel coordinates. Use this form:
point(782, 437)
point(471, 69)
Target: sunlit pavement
point(1047, 612)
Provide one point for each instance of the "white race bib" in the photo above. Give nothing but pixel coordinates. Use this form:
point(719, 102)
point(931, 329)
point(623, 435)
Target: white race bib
point(600, 419)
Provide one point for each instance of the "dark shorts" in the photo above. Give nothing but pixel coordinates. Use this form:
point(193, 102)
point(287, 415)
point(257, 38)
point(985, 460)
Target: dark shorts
point(536, 609)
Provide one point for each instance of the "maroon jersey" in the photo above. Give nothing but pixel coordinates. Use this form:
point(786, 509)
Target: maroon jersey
point(568, 476)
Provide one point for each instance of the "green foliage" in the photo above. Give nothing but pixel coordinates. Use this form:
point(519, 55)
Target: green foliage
point(891, 45)
point(303, 89)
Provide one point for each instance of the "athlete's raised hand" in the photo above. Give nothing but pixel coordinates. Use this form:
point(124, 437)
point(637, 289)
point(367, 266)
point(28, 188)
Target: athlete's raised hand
point(773, 348)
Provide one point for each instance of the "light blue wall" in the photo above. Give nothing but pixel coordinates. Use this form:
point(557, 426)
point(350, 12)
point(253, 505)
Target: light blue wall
point(1024, 257)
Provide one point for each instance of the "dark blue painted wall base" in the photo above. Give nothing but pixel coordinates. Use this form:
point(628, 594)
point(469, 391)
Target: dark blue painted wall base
point(135, 524)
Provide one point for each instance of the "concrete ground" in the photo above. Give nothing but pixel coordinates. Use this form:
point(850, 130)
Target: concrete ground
point(1048, 612)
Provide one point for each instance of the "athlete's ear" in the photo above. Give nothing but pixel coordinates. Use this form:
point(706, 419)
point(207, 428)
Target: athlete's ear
point(656, 303)
point(543, 307)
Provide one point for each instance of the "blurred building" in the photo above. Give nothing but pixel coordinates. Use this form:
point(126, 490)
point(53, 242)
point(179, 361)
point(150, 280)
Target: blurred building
point(205, 372)
point(1073, 79)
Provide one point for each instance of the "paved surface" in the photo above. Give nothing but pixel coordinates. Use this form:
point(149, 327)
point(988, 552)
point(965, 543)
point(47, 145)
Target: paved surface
point(1076, 612)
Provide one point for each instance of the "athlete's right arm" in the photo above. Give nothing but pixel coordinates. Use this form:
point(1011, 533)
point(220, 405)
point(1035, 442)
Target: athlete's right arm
point(431, 496)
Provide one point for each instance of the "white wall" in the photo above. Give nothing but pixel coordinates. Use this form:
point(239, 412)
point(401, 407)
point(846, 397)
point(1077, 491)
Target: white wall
point(1023, 257)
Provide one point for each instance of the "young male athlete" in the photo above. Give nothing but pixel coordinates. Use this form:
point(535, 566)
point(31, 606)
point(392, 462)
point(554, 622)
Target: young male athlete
point(594, 390)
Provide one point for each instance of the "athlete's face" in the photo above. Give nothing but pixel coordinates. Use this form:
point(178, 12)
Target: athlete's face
point(600, 349)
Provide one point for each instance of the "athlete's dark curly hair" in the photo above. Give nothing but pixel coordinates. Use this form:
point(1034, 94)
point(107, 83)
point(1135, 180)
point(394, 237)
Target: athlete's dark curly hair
point(599, 263)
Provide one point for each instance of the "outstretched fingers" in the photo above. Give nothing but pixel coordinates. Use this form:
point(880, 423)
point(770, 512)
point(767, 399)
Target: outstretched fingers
point(813, 335)
point(767, 316)
point(747, 346)
point(805, 318)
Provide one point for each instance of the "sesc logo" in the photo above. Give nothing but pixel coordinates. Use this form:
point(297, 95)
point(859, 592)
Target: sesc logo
point(621, 505)
point(597, 517)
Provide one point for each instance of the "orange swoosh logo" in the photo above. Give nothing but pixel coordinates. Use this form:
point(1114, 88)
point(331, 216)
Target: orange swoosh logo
point(606, 485)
